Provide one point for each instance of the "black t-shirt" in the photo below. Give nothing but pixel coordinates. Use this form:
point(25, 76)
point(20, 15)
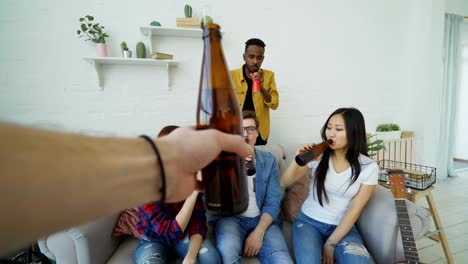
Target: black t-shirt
point(248, 103)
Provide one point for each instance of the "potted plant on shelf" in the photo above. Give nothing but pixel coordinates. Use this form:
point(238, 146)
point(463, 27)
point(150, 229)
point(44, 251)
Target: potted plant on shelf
point(205, 21)
point(388, 131)
point(94, 32)
point(126, 53)
point(188, 21)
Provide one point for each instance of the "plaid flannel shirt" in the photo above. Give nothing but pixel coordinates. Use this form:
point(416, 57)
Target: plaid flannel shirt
point(158, 222)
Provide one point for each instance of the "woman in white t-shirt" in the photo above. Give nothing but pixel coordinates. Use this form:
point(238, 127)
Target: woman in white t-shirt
point(343, 179)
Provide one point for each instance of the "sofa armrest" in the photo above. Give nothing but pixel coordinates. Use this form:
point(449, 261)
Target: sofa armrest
point(90, 243)
point(378, 225)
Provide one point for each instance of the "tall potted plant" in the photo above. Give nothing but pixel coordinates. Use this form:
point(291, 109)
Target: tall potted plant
point(94, 32)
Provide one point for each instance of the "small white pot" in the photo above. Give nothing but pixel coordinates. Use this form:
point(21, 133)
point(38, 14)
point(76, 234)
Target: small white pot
point(127, 53)
point(389, 135)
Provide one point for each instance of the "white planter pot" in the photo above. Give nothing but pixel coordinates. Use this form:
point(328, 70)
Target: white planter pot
point(127, 53)
point(390, 135)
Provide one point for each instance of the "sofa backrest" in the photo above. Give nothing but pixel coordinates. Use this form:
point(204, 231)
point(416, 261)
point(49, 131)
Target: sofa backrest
point(278, 152)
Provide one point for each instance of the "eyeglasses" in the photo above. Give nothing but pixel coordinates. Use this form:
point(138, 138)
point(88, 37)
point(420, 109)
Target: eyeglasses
point(249, 129)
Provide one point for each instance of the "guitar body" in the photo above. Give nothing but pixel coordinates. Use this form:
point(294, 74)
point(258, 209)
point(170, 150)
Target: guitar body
point(397, 183)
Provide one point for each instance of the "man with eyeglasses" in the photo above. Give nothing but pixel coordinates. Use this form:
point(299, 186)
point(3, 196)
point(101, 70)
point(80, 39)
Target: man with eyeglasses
point(259, 98)
point(255, 232)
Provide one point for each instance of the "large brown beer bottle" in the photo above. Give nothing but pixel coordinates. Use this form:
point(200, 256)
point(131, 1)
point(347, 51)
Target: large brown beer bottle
point(307, 156)
point(224, 179)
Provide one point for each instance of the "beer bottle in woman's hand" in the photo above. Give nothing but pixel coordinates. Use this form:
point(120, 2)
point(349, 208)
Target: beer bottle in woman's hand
point(308, 155)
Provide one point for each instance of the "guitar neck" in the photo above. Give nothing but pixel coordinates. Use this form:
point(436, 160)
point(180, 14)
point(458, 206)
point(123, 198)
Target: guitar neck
point(409, 245)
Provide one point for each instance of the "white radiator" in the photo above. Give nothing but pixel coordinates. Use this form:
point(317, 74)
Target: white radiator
point(403, 150)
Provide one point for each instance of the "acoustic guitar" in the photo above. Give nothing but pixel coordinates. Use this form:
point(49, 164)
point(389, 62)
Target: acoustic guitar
point(396, 178)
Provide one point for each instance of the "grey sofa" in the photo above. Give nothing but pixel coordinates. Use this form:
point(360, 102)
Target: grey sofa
point(92, 243)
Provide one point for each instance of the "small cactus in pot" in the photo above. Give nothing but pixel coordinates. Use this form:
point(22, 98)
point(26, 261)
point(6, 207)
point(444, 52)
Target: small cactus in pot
point(141, 50)
point(155, 24)
point(126, 53)
point(188, 11)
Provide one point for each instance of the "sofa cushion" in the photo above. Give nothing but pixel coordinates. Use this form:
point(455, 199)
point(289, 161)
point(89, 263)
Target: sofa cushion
point(125, 252)
point(293, 199)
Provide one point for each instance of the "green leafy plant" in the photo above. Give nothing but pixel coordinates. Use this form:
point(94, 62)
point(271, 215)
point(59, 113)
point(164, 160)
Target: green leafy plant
point(387, 127)
point(374, 146)
point(205, 21)
point(91, 30)
point(123, 46)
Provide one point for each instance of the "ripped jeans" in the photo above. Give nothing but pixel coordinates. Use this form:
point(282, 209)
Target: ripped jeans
point(309, 235)
point(231, 233)
point(148, 252)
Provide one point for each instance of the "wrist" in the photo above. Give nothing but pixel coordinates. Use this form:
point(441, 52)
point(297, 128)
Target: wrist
point(260, 231)
point(162, 173)
point(331, 243)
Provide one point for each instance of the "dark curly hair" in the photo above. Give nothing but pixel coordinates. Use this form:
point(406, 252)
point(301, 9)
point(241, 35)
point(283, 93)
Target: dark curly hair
point(254, 41)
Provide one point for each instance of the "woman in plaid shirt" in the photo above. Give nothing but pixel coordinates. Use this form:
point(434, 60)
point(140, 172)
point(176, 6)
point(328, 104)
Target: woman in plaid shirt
point(174, 229)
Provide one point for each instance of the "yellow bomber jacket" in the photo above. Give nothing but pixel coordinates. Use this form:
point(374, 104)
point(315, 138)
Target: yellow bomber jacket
point(262, 108)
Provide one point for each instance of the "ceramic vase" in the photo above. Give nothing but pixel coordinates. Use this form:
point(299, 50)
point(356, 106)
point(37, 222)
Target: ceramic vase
point(101, 50)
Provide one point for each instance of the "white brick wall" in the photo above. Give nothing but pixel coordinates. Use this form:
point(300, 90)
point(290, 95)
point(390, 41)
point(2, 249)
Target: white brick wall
point(326, 54)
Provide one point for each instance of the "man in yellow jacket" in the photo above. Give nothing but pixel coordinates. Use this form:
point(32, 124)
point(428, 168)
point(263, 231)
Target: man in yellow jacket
point(267, 96)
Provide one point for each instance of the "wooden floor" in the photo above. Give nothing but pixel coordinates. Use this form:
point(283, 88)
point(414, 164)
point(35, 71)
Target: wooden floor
point(451, 198)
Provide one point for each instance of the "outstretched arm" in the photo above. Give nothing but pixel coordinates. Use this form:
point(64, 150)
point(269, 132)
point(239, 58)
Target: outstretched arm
point(43, 173)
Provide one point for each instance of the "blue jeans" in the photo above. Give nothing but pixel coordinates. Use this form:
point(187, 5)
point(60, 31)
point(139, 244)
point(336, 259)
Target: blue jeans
point(148, 252)
point(232, 231)
point(309, 235)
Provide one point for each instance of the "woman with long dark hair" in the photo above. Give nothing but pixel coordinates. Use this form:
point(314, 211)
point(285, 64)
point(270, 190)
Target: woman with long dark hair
point(343, 179)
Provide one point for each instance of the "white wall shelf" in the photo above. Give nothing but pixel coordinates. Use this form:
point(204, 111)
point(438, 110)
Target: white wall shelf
point(172, 32)
point(97, 62)
point(149, 32)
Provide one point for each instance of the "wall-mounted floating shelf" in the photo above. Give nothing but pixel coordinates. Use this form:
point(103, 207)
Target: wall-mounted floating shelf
point(173, 32)
point(99, 61)
point(149, 32)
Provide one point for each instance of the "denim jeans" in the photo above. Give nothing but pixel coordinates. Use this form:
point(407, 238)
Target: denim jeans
point(148, 252)
point(309, 235)
point(231, 233)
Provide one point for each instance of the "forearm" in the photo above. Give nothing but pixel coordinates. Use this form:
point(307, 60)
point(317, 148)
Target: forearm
point(355, 208)
point(266, 95)
point(292, 174)
point(52, 172)
point(264, 223)
point(194, 246)
point(344, 227)
point(183, 217)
